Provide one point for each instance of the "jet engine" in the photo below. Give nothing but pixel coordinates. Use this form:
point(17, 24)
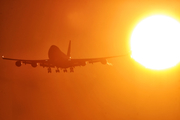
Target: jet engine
point(104, 61)
point(18, 63)
point(83, 63)
point(34, 64)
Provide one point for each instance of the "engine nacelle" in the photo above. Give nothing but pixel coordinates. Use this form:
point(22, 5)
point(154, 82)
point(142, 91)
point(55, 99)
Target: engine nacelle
point(34, 64)
point(18, 63)
point(83, 63)
point(104, 61)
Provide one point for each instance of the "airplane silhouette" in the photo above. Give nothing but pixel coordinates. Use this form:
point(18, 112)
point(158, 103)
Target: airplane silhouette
point(60, 60)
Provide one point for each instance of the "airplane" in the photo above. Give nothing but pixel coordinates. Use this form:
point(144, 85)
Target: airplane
point(58, 59)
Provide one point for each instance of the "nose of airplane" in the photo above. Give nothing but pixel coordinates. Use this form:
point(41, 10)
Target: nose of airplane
point(53, 52)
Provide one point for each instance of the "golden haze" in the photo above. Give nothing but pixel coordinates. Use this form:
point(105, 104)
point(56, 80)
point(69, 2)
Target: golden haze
point(125, 90)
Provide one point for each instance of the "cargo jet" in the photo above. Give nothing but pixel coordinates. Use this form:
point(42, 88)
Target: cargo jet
point(57, 59)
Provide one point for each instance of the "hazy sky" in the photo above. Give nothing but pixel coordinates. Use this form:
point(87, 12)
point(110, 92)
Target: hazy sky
point(124, 91)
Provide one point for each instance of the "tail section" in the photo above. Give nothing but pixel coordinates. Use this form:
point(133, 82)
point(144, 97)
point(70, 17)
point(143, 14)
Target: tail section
point(69, 49)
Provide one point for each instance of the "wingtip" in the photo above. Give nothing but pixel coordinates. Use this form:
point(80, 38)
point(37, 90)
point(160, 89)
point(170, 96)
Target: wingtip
point(3, 57)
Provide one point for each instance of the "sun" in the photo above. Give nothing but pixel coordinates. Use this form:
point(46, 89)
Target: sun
point(155, 42)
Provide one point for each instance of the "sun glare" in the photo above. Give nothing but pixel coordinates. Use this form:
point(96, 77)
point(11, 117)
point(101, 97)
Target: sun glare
point(155, 42)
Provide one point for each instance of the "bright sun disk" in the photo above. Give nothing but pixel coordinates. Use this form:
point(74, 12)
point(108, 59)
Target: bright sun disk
point(155, 42)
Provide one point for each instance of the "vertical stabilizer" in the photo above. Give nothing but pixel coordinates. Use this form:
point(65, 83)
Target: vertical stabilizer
point(69, 49)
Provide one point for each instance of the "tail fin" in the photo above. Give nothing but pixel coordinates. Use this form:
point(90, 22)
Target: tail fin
point(69, 49)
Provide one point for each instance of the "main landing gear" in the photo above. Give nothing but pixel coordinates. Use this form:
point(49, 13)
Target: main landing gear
point(58, 71)
point(65, 70)
point(49, 70)
point(71, 69)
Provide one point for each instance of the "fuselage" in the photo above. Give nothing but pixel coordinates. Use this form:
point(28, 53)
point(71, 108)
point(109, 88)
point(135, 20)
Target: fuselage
point(58, 58)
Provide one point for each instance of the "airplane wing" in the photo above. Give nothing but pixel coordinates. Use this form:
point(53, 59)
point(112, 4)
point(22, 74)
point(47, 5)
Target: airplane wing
point(33, 63)
point(103, 60)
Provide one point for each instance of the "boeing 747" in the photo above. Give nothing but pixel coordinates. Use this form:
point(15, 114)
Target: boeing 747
point(58, 59)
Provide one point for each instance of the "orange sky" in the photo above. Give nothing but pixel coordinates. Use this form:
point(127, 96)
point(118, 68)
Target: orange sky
point(124, 91)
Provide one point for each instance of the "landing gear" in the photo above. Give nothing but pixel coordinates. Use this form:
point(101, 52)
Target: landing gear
point(57, 71)
point(65, 70)
point(49, 70)
point(71, 69)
